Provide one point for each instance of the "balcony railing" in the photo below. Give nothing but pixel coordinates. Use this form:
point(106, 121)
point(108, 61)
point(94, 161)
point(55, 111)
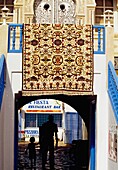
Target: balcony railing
point(113, 88)
point(99, 39)
point(2, 79)
point(15, 39)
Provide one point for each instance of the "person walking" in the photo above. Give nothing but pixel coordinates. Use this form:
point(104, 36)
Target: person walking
point(49, 130)
point(32, 151)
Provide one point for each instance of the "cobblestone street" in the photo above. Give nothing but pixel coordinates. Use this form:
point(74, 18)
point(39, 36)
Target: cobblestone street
point(64, 160)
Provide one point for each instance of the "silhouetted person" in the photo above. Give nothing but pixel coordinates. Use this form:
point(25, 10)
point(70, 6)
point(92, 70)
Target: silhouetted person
point(49, 129)
point(32, 151)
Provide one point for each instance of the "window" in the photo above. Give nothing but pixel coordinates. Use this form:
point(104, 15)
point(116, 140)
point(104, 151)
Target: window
point(36, 120)
point(44, 117)
point(9, 4)
point(30, 120)
point(101, 7)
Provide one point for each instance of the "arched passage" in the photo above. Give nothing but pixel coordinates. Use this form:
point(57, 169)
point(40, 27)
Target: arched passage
point(84, 105)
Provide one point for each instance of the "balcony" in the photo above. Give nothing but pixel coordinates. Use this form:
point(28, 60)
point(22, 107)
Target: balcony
point(75, 52)
point(15, 38)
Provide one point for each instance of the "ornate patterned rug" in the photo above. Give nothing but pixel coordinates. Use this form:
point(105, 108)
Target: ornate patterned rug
point(57, 59)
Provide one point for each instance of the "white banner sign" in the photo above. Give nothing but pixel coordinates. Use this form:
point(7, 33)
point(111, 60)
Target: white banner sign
point(44, 105)
point(32, 132)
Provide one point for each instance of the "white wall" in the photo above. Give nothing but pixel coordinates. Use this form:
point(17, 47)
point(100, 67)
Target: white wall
point(69, 108)
point(6, 112)
point(13, 85)
point(14, 63)
point(101, 112)
point(7, 127)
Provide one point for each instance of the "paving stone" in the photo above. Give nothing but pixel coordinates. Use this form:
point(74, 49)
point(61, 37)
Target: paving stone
point(63, 159)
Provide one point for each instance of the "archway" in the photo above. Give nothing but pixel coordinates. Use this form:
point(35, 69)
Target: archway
point(85, 106)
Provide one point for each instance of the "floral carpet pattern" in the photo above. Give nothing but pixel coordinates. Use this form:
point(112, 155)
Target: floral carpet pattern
point(57, 59)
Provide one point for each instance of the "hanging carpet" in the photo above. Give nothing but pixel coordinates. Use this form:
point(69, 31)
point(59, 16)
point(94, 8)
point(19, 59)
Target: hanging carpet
point(57, 59)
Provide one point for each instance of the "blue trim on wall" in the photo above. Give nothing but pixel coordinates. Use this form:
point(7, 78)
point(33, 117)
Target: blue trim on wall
point(9, 38)
point(15, 136)
point(2, 77)
point(115, 108)
point(92, 138)
point(70, 123)
point(113, 89)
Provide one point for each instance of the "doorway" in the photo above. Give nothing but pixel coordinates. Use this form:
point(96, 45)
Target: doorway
point(84, 105)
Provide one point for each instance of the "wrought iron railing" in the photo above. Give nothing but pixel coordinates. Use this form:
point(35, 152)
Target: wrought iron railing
point(15, 40)
point(113, 88)
point(2, 77)
point(15, 34)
